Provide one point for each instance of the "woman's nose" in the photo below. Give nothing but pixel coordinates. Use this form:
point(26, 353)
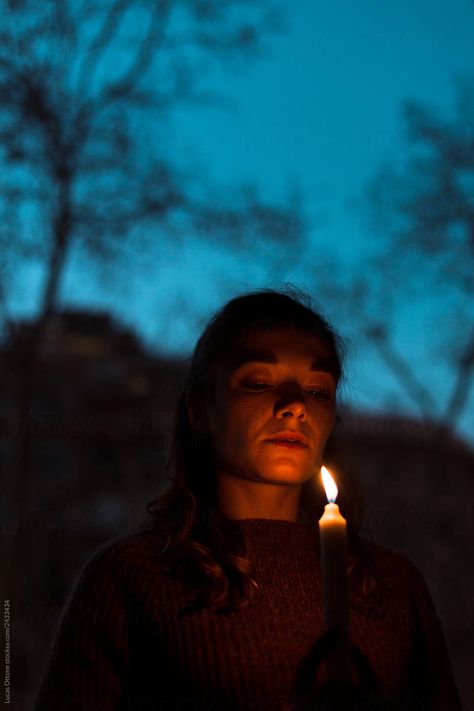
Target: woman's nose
point(291, 405)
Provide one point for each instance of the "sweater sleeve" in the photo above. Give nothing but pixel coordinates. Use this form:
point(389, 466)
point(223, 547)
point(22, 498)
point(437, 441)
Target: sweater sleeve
point(433, 675)
point(89, 658)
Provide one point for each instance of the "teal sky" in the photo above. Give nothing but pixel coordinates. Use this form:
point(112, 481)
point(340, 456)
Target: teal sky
point(317, 114)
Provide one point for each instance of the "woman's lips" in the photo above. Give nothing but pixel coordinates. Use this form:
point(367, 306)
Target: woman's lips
point(288, 444)
point(291, 439)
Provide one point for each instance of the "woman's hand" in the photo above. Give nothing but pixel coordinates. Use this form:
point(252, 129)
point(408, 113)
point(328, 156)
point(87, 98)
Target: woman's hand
point(308, 695)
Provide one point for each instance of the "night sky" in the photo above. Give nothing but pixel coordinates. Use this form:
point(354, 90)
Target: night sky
point(316, 115)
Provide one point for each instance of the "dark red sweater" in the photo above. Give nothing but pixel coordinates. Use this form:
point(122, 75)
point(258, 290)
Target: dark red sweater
point(121, 643)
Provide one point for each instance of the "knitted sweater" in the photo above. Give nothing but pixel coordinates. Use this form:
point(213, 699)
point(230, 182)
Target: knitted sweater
point(121, 643)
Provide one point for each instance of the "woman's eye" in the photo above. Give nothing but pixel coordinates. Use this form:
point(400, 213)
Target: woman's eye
point(256, 385)
point(261, 385)
point(318, 394)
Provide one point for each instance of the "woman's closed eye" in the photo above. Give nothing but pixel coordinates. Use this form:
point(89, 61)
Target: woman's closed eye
point(320, 394)
point(260, 385)
point(256, 384)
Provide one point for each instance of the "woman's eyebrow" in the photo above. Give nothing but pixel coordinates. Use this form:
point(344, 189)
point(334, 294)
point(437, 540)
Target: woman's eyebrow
point(252, 355)
point(256, 355)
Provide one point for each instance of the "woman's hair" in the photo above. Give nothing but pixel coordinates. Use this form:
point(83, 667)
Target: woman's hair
point(203, 546)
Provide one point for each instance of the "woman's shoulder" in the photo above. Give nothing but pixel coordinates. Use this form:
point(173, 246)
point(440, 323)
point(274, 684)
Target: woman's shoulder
point(134, 551)
point(395, 569)
point(389, 557)
point(144, 541)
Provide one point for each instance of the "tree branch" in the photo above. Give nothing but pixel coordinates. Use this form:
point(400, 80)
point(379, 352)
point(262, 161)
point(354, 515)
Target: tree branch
point(143, 57)
point(413, 388)
point(460, 394)
point(148, 49)
point(90, 110)
point(103, 37)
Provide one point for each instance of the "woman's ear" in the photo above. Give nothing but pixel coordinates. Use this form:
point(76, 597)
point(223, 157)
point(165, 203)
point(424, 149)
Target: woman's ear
point(197, 413)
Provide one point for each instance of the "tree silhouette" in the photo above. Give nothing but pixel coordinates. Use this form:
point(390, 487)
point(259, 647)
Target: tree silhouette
point(422, 218)
point(88, 91)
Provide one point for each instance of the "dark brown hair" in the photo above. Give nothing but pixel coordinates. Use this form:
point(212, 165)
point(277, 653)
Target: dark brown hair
point(201, 545)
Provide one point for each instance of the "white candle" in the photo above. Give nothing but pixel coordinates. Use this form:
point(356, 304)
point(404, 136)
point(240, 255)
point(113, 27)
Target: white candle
point(333, 546)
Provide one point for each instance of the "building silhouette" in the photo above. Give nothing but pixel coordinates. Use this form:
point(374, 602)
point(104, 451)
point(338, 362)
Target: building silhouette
point(100, 422)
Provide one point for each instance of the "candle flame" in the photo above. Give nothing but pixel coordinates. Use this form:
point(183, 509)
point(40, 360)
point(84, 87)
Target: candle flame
point(329, 484)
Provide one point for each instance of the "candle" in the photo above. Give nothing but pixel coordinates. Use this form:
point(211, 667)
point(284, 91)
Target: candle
point(333, 547)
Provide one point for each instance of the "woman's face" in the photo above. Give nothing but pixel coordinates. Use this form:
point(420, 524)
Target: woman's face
point(274, 408)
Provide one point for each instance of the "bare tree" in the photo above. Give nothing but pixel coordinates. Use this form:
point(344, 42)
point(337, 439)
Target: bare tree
point(87, 94)
point(422, 218)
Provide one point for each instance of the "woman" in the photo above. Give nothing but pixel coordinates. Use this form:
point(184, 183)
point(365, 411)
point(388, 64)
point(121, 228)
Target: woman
point(216, 602)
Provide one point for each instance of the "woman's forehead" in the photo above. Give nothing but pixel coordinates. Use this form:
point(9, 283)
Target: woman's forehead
point(283, 335)
point(277, 344)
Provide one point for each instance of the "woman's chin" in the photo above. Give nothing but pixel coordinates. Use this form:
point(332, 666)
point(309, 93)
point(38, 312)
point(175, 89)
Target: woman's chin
point(286, 475)
point(289, 468)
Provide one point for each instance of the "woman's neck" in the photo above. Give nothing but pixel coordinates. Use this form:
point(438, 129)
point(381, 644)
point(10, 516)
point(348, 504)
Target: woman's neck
point(241, 498)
